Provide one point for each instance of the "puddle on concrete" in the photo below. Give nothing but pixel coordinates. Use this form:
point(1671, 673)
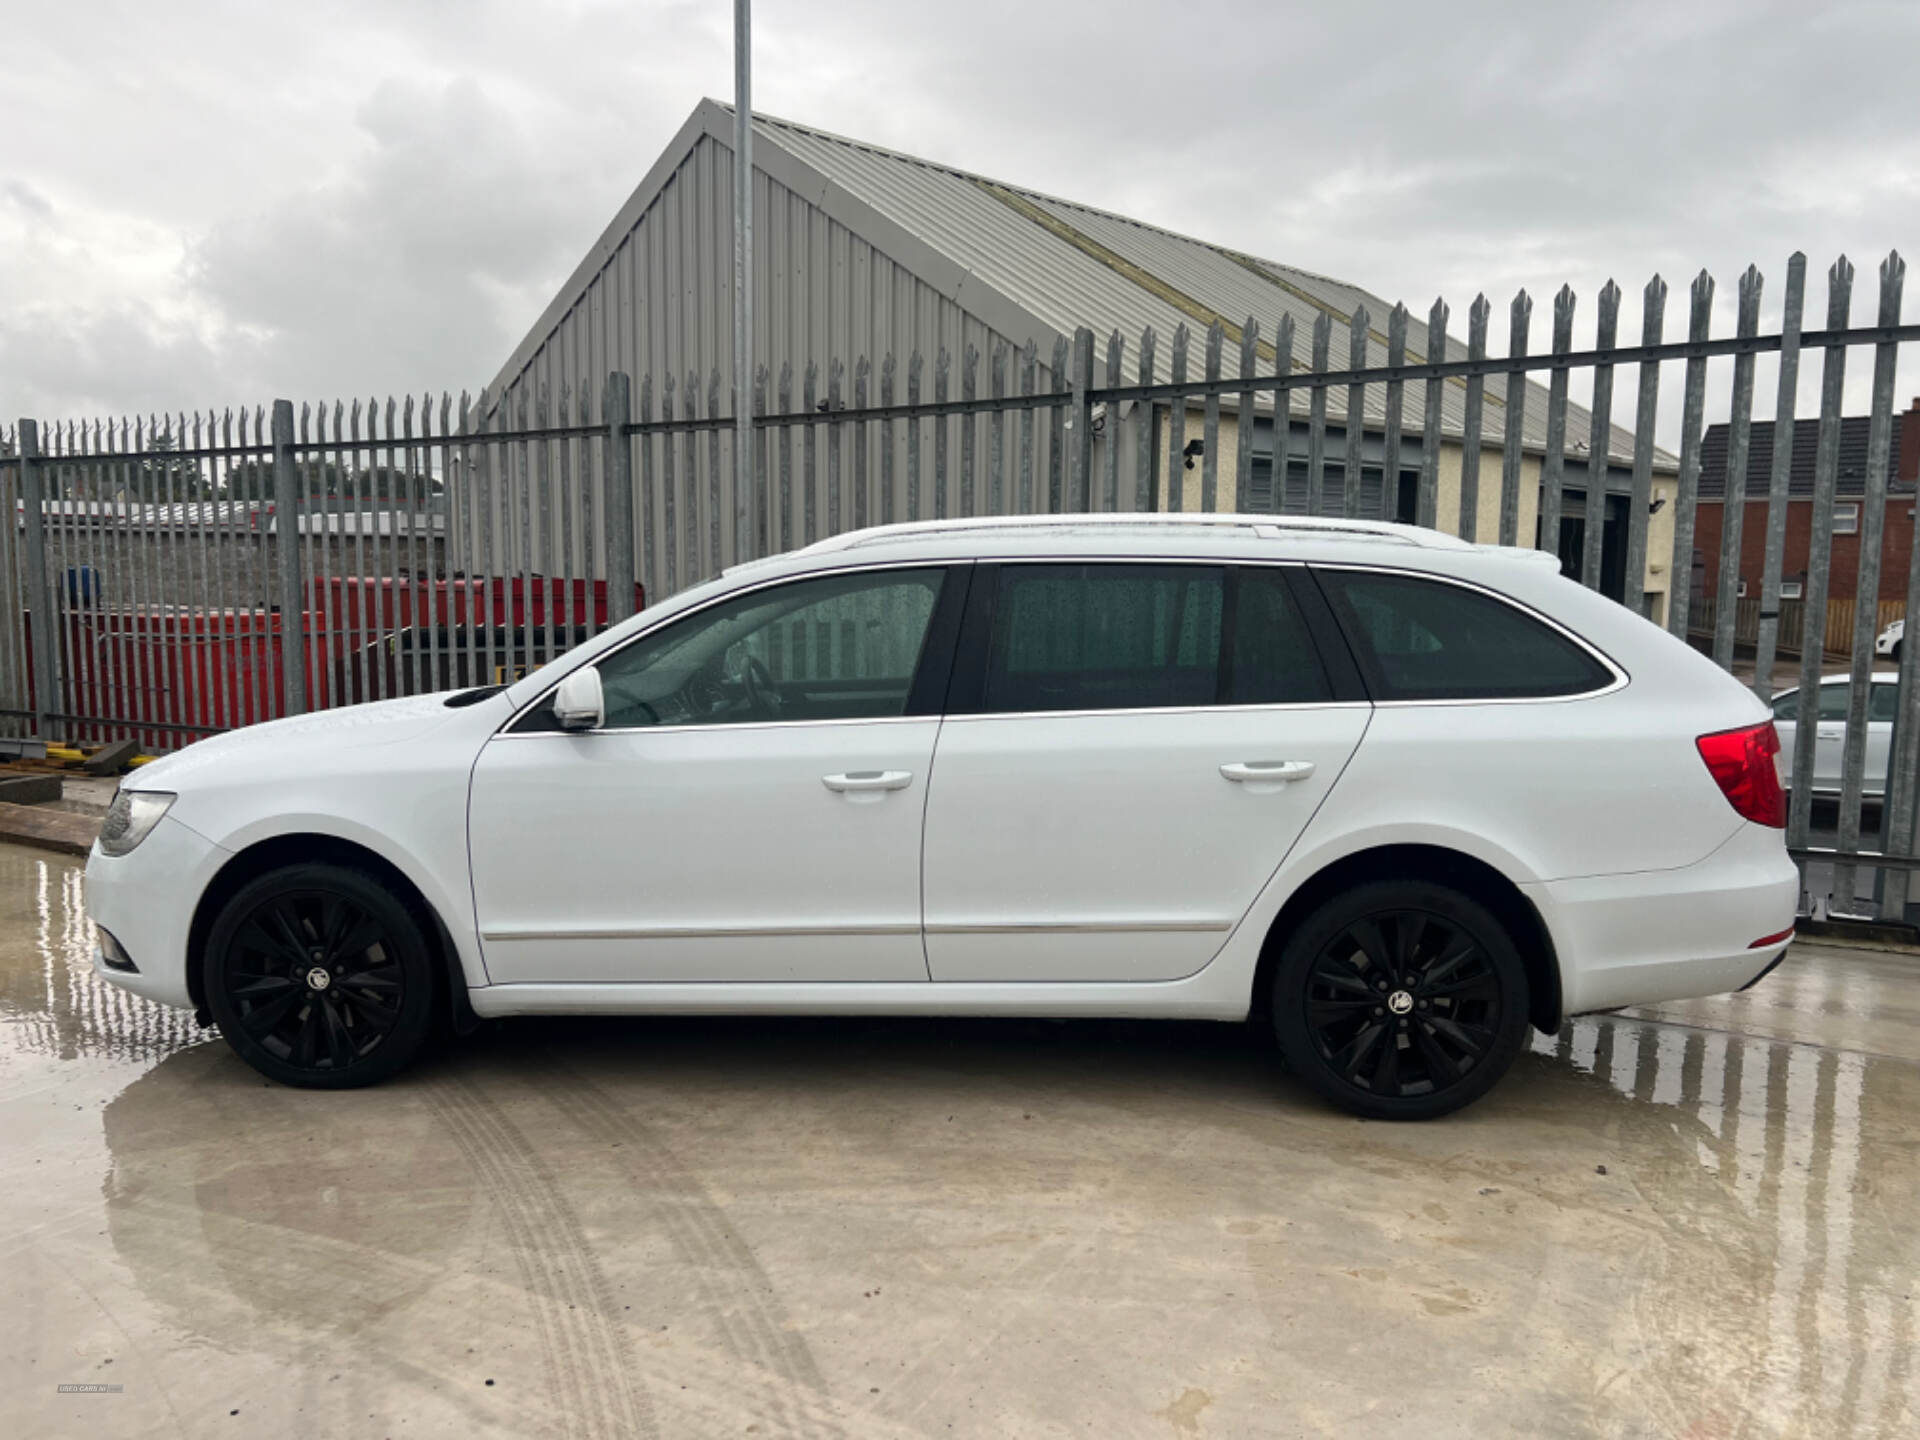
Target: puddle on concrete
point(1694, 1220)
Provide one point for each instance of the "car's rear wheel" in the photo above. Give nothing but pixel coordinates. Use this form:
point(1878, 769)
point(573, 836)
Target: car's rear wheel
point(319, 976)
point(1400, 1000)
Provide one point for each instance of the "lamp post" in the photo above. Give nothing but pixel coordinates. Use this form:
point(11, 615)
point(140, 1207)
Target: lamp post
point(743, 497)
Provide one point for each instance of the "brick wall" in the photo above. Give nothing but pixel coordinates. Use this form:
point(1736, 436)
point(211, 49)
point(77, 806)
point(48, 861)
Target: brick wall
point(1895, 555)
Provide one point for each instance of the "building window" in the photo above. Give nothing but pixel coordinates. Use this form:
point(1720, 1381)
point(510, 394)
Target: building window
point(1740, 590)
point(1789, 589)
point(1846, 519)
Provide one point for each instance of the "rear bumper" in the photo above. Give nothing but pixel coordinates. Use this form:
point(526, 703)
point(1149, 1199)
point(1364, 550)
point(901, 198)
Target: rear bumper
point(1672, 934)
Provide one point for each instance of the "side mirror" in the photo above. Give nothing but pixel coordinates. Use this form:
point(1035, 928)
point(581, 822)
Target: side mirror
point(579, 704)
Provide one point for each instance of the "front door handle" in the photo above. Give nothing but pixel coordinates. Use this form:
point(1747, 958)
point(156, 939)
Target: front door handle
point(1267, 772)
point(865, 782)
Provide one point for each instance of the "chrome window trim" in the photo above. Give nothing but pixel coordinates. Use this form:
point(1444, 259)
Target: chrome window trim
point(741, 725)
point(506, 730)
point(1284, 705)
point(1620, 676)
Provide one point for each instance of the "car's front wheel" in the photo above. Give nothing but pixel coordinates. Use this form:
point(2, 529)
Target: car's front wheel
point(1400, 1000)
point(318, 976)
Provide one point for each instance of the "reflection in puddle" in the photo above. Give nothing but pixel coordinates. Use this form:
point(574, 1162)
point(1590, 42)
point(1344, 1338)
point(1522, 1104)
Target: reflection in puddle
point(1779, 1124)
point(52, 1003)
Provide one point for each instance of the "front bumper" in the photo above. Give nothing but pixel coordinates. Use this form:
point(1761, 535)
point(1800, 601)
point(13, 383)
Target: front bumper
point(146, 899)
point(1655, 935)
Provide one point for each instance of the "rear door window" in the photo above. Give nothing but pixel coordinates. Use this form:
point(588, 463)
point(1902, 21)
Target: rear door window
point(1274, 661)
point(1424, 639)
point(1105, 637)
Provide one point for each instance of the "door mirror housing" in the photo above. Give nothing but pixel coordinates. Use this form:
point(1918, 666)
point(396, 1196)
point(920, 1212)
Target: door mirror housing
point(579, 703)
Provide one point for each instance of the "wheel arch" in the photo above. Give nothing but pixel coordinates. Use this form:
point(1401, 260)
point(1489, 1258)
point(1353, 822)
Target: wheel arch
point(279, 851)
point(1471, 876)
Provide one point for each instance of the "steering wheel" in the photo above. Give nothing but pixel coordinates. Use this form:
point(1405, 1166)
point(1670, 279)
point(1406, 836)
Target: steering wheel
point(757, 681)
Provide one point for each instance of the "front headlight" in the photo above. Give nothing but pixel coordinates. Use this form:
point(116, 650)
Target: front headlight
point(131, 818)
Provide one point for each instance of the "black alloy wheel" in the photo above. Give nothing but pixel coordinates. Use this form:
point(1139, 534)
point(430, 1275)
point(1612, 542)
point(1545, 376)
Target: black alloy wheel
point(319, 977)
point(1400, 1001)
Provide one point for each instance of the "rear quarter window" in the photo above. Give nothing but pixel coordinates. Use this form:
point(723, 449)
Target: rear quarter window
point(1421, 639)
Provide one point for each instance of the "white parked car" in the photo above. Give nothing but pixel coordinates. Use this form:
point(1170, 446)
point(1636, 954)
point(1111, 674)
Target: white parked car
point(1400, 795)
point(1889, 642)
point(1830, 731)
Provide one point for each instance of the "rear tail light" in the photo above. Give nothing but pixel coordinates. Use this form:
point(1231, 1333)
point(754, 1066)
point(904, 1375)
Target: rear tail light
point(1741, 762)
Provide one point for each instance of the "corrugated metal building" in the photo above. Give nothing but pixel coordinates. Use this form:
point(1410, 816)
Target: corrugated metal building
point(862, 252)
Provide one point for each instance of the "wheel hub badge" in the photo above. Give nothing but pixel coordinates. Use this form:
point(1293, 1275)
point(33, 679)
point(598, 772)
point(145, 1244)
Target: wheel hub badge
point(318, 978)
point(1400, 1002)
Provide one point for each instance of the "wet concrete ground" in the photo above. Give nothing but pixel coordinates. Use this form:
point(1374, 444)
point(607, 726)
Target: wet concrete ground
point(1695, 1221)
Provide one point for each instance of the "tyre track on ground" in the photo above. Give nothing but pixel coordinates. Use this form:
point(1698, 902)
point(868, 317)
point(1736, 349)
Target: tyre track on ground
point(584, 1348)
point(735, 1291)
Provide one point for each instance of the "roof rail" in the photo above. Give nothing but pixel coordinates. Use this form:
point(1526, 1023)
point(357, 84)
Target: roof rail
point(1268, 526)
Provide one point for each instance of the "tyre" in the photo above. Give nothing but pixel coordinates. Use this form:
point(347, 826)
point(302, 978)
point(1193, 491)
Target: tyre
point(1400, 1000)
point(319, 976)
point(1894, 653)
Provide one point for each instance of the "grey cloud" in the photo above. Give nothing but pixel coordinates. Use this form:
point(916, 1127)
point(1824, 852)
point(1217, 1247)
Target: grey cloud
point(447, 166)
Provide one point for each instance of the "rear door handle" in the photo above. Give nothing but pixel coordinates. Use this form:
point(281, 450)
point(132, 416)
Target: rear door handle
point(862, 782)
point(1267, 772)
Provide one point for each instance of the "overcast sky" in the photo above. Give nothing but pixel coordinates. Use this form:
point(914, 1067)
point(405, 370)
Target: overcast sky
point(220, 201)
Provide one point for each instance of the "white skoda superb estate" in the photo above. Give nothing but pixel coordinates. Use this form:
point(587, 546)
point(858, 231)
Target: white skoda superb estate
point(1400, 796)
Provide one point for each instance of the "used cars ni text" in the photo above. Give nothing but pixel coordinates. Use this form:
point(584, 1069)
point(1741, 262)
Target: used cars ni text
point(1398, 796)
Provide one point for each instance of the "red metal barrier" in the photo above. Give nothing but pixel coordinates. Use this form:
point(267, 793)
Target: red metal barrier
point(168, 675)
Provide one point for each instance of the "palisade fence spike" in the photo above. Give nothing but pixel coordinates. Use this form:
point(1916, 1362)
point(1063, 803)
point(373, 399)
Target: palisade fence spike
point(1057, 427)
point(1553, 463)
point(1177, 425)
point(1395, 409)
point(1686, 500)
point(1358, 328)
point(1734, 498)
point(914, 423)
point(1767, 632)
point(1080, 455)
point(1600, 439)
point(690, 466)
point(1513, 438)
point(887, 503)
point(997, 431)
point(648, 561)
point(942, 363)
point(1243, 430)
point(1317, 497)
point(809, 452)
point(1640, 506)
point(669, 485)
point(1813, 603)
point(1866, 621)
point(785, 401)
point(1210, 423)
point(1282, 413)
point(1427, 504)
point(1903, 772)
point(716, 557)
point(1110, 422)
point(861, 372)
point(1475, 415)
point(969, 390)
point(1146, 492)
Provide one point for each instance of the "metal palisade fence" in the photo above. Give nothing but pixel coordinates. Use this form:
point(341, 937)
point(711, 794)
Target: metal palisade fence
point(176, 576)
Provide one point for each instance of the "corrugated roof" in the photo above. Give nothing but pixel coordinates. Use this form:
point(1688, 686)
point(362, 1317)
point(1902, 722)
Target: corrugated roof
point(1851, 471)
point(1072, 264)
